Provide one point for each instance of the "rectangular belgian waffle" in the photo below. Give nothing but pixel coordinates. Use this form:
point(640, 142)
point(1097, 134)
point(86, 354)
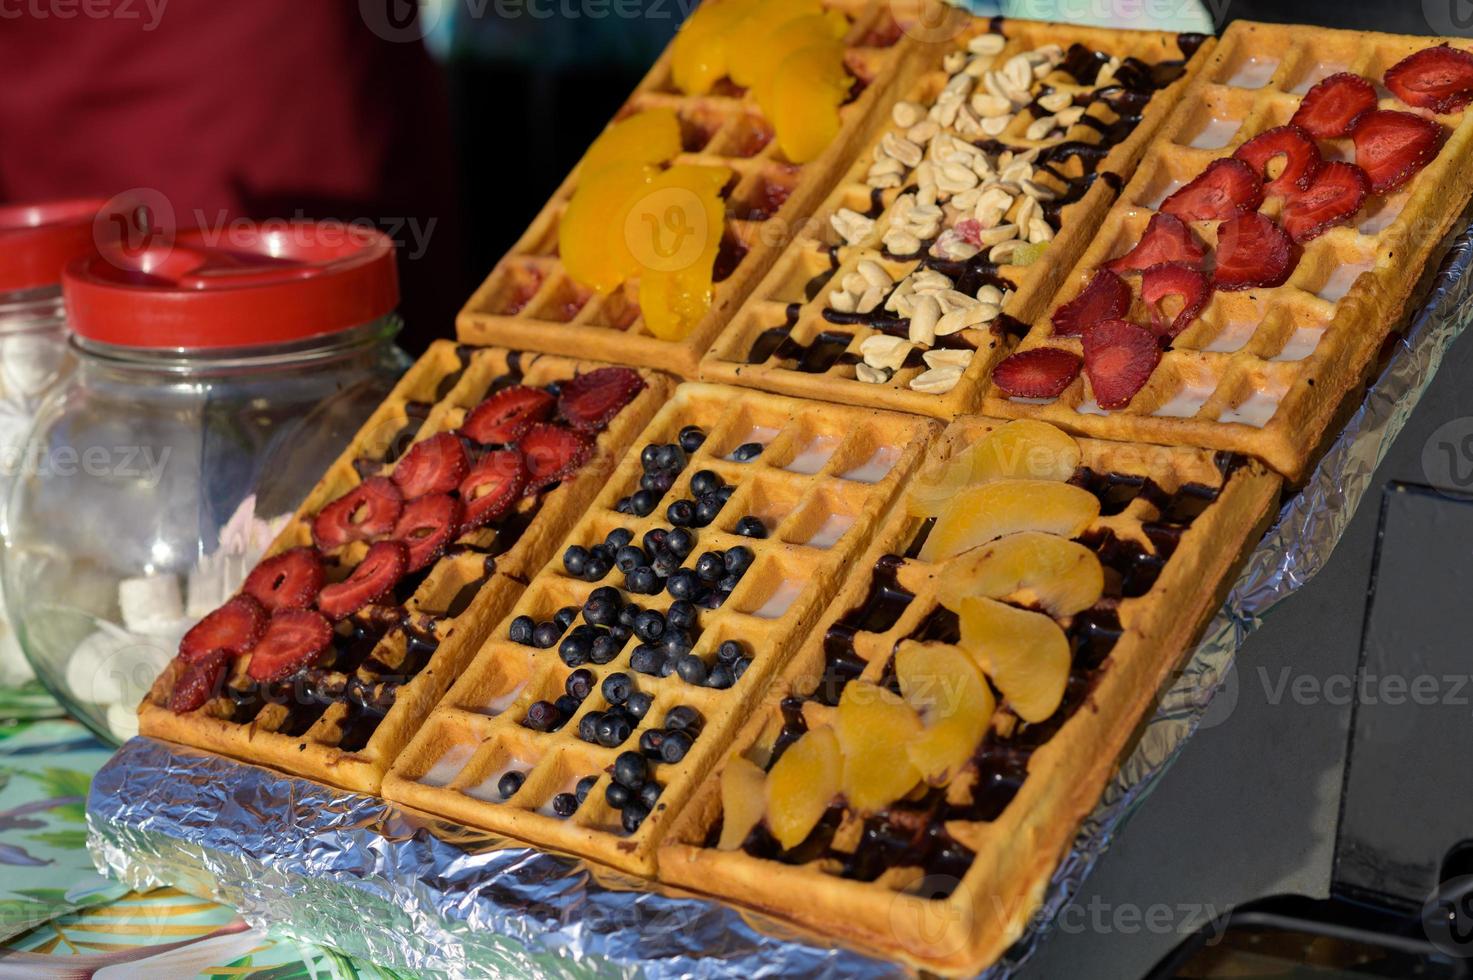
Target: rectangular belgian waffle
point(476, 734)
point(344, 723)
point(791, 338)
point(529, 302)
point(1267, 371)
point(947, 881)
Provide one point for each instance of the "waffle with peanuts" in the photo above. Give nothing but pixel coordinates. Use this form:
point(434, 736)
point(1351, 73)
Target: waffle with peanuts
point(926, 758)
point(413, 545)
point(600, 703)
point(542, 296)
point(1240, 291)
point(957, 224)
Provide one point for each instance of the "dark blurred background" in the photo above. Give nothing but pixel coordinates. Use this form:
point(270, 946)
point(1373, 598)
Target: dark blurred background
point(447, 124)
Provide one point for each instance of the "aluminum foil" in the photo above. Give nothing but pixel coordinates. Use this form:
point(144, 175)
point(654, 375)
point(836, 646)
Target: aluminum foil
point(322, 865)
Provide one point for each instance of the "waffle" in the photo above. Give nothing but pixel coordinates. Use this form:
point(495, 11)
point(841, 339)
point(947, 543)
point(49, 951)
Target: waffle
point(1267, 371)
point(819, 520)
point(796, 336)
point(945, 881)
point(343, 726)
point(529, 302)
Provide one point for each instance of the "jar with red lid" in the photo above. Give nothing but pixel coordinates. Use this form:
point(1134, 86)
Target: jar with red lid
point(217, 376)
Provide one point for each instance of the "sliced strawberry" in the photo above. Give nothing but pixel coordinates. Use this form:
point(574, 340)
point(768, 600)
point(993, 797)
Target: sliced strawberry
point(375, 577)
point(552, 454)
point(1439, 78)
point(590, 401)
point(234, 627)
point(198, 682)
point(427, 526)
point(290, 580)
point(1392, 146)
point(1106, 297)
point(1252, 251)
point(1333, 105)
point(1119, 357)
point(1167, 239)
point(504, 416)
point(1174, 279)
point(1336, 194)
point(367, 511)
point(294, 640)
point(492, 486)
point(1227, 188)
point(435, 465)
point(1301, 158)
point(1043, 372)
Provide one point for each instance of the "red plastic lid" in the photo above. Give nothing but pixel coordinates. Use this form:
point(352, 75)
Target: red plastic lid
point(270, 283)
point(38, 240)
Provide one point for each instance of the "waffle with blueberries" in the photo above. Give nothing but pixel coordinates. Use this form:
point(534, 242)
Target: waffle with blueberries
point(599, 704)
point(416, 540)
point(922, 763)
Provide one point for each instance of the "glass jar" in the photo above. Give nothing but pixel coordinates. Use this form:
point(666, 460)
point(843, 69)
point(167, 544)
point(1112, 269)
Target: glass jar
point(213, 387)
point(36, 243)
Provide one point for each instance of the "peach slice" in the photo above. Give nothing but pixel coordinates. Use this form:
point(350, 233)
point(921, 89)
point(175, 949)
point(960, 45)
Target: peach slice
point(651, 136)
point(802, 784)
point(592, 250)
point(874, 727)
point(698, 53)
point(948, 690)
point(750, 36)
point(807, 90)
point(987, 512)
point(673, 231)
point(1025, 653)
point(793, 36)
point(743, 801)
point(1060, 575)
point(1025, 449)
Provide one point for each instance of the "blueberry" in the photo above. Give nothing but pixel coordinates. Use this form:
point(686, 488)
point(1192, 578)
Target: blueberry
point(588, 726)
point(598, 566)
point(608, 594)
point(710, 567)
point(565, 616)
point(707, 510)
point(620, 633)
point(675, 746)
point(638, 704)
point(624, 506)
point(721, 677)
point(642, 581)
point(545, 635)
point(575, 560)
point(575, 649)
point(683, 584)
point(739, 558)
point(682, 513)
point(670, 459)
point(567, 705)
point(648, 456)
point(642, 502)
point(683, 718)
point(703, 482)
point(647, 660)
point(665, 564)
point(751, 527)
point(599, 611)
point(676, 644)
point(681, 615)
point(740, 667)
point(613, 730)
point(629, 558)
point(654, 540)
point(668, 667)
point(725, 493)
point(729, 651)
point(692, 669)
point(649, 794)
point(604, 648)
point(509, 783)
point(618, 795)
point(657, 483)
point(728, 584)
point(565, 804)
point(579, 684)
point(691, 438)
point(619, 537)
point(649, 625)
point(627, 614)
point(617, 688)
point(584, 787)
point(632, 816)
point(520, 630)
point(747, 452)
point(631, 769)
point(542, 716)
point(680, 542)
point(651, 742)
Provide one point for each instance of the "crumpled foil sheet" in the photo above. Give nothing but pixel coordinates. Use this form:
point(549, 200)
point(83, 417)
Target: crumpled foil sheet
point(322, 865)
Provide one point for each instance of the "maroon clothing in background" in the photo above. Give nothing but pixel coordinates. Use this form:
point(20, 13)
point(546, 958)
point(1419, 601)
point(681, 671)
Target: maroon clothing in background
point(258, 109)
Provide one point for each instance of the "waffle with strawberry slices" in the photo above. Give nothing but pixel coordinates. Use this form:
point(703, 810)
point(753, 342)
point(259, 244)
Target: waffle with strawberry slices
point(531, 301)
point(925, 829)
point(598, 705)
point(415, 542)
point(1271, 241)
point(958, 222)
